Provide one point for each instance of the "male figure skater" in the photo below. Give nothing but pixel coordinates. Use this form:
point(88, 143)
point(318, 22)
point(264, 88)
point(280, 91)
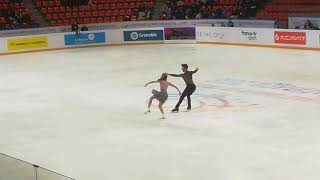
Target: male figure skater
point(191, 87)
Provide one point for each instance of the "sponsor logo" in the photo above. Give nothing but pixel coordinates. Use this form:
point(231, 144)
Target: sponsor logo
point(134, 35)
point(210, 35)
point(283, 37)
point(180, 33)
point(84, 38)
point(27, 43)
point(250, 35)
point(143, 35)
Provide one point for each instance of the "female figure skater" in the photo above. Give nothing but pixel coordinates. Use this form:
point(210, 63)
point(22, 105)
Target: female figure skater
point(161, 96)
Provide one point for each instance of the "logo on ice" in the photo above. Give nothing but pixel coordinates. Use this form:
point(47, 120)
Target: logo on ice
point(283, 37)
point(146, 35)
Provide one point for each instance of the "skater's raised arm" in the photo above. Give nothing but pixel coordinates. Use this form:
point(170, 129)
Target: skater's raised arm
point(197, 69)
point(170, 84)
point(174, 75)
point(150, 83)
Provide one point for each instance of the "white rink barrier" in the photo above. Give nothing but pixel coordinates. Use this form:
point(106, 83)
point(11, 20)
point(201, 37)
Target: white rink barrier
point(283, 38)
point(259, 37)
point(57, 41)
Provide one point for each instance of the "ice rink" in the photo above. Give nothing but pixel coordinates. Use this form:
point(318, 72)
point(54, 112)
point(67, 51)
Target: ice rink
point(256, 113)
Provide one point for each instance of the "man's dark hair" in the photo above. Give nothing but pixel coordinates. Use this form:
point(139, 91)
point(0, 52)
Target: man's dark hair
point(184, 66)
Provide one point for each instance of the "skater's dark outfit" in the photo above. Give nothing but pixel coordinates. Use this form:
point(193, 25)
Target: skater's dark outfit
point(191, 87)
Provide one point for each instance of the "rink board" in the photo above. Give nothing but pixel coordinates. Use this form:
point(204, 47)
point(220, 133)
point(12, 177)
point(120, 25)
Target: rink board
point(260, 37)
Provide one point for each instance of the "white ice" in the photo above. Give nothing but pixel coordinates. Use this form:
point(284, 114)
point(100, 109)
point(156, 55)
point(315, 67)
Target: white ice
point(80, 112)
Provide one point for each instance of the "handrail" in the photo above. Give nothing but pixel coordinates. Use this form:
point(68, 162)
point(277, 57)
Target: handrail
point(35, 166)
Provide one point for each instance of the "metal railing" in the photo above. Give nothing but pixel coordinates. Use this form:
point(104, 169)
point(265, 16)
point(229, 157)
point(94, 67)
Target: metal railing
point(12, 168)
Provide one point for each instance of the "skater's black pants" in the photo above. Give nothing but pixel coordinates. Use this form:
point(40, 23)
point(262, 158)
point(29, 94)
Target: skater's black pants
point(187, 92)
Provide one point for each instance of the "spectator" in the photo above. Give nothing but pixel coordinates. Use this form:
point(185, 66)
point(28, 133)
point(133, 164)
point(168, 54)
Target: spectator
point(163, 16)
point(308, 25)
point(141, 16)
point(199, 15)
point(230, 23)
point(84, 28)
point(212, 15)
point(75, 28)
point(127, 18)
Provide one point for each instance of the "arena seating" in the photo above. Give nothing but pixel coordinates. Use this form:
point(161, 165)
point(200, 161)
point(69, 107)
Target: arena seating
point(100, 11)
point(5, 5)
point(282, 9)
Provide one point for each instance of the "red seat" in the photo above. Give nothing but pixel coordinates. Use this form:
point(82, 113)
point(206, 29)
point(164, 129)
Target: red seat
point(125, 5)
point(63, 9)
point(86, 20)
point(59, 23)
point(81, 8)
point(101, 13)
point(120, 18)
point(115, 12)
point(50, 10)
point(128, 12)
point(100, 7)
point(108, 13)
point(93, 20)
point(113, 6)
point(81, 14)
point(38, 3)
point(51, 3)
point(106, 6)
point(68, 9)
point(95, 13)
point(133, 18)
point(119, 6)
point(72, 21)
point(75, 15)
point(68, 15)
point(132, 5)
point(66, 22)
point(113, 19)
point(121, 12)
point(17, 5)
point(56, 9)
point(49, 16)
point(106, 19)
point(57, 3)
point(62, 16)
point(55, 16)
point(44, 10)
point(2, 20)
point(94, 8)
point(44, 3)
point(100, 20)
point(88, 14)
point(53, 23)
point(75, 8)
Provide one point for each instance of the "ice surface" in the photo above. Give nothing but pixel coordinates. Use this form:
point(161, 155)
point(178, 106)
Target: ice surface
point(80, 112)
